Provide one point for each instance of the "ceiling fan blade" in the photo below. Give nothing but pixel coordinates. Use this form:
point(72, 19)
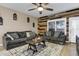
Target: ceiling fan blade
point(48, 9)
point(40, 12)
point(31, 9)
point(45, 3)
point(35, 4)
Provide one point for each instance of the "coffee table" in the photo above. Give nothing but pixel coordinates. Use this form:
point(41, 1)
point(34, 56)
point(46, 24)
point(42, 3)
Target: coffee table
point(37, 41)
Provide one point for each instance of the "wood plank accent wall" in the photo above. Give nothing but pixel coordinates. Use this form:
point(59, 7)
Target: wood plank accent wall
point(42, 22)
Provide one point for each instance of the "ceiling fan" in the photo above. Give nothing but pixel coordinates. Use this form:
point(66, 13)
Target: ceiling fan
point(40, 7)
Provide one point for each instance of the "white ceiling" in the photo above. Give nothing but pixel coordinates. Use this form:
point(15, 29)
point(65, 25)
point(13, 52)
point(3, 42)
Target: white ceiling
point(23, 7)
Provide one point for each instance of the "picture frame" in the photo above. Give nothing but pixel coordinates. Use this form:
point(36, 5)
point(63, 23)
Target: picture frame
point(1, 21)
point(33, 24)
point(14, 16)
point(28, 19)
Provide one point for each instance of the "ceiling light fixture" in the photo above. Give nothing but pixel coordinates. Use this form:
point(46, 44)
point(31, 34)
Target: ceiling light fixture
point(40, 9)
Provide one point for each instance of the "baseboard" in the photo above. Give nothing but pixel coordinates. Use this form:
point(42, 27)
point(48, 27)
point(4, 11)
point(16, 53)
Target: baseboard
point(73, 42)
point(68, 42)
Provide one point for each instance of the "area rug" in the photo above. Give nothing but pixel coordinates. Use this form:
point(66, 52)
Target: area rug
point(51, 49)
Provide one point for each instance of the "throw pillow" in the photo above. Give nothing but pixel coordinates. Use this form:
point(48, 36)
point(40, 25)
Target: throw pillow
point(22, 34)
point(14, 35)
point(27, 34)
point(10, 37)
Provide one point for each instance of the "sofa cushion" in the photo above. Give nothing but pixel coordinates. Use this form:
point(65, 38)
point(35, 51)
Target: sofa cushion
point(27, 34)
point(17, 40)
point(14, 35)
point(22, 34)
point(48, 33)
point(33, 34)
point(52, 31)
point(56, 34)
point(8, 35)
point(54, 38)
point(62, 33)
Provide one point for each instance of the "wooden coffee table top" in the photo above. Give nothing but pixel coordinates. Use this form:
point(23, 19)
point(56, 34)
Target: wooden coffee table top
point(36, 40)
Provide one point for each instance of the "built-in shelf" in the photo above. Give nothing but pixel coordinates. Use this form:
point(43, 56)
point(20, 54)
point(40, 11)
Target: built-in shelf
point(42, 26)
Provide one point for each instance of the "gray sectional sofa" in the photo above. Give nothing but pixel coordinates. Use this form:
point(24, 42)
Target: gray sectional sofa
point(55, 36)
point(15, 39)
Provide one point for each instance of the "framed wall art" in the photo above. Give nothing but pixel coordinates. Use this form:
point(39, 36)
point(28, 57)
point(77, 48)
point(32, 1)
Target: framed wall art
point(1, 21)
point(14, 16)
point(33, 24)
point(28, 19)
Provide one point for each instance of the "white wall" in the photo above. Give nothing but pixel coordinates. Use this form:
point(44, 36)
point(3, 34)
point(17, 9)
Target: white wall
point(10, 25)
point(77, 26)
point(73, 28)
